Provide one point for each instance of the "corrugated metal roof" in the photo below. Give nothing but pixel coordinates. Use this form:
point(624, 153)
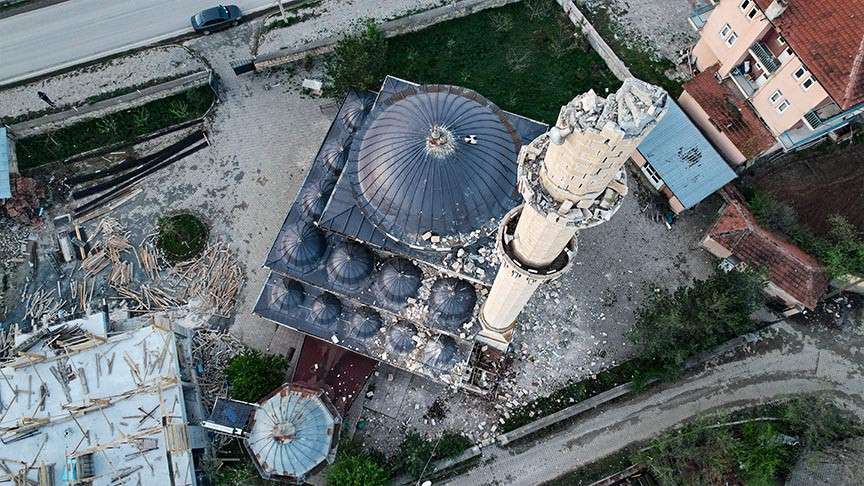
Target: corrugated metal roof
point(5, 189)
point(291, 434)
point(684, 158)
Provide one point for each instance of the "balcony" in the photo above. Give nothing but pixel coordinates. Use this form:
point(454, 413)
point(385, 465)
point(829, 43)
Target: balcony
point(804, 135)
point(700, 15)
point(765, 57)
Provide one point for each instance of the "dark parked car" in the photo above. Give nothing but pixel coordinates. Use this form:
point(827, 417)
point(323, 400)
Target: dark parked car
point(216, 18)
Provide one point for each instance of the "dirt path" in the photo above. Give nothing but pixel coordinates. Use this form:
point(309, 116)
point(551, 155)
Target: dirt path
point(795, 360)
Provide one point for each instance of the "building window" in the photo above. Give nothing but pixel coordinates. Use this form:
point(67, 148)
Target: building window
point(800, 72)
point(775, 97)
point(783, 106)
point(744, 5)
point(752, 13)
point(807, 83)
point(731, 40)
point(652, 176)
point(724, 32)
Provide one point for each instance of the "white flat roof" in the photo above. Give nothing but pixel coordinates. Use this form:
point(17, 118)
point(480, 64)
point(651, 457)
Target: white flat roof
point(123, 403)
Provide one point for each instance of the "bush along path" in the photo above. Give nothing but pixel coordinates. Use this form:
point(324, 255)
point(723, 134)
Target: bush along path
point(115, 129)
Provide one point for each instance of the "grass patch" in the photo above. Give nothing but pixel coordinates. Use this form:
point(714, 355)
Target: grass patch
point(114, 129)
point(642, 61)
point(526, 60)
point(181, 237)
point(289, 21)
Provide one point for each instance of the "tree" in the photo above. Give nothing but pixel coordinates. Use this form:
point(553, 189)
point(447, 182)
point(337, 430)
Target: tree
point(673, 326)
point(357, 61)
point(845, 254)
point(252, 374)
point(356, 469)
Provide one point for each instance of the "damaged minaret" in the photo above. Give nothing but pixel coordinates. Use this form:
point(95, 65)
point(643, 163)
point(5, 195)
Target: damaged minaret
point(571, 178)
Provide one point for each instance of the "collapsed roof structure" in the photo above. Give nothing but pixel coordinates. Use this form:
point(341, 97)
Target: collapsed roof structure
point(388, 249)
point(82, 404)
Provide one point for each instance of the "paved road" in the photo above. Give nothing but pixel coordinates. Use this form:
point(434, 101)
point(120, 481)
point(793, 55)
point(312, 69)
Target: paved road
point(797, 360)
point(75, 31)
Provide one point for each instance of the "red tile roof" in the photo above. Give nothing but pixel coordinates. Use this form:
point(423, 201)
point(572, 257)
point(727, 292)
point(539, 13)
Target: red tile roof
point(789, 268)
point(828, 36)
point(729, 113)
point(341, 373)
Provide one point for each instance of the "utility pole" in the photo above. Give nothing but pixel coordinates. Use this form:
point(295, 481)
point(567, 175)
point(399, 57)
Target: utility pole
point(282, 11)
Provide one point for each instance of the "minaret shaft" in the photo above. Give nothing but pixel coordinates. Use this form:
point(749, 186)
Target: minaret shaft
point(570, 178)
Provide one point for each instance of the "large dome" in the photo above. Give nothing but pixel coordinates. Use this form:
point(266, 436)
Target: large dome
point(433, 164)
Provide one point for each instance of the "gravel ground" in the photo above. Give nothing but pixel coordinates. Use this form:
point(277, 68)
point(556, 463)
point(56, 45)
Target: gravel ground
point(659, 24)
point(332, 17)
point(72, 88)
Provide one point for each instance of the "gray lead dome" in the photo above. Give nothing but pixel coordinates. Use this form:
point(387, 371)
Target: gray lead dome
point(433, 164)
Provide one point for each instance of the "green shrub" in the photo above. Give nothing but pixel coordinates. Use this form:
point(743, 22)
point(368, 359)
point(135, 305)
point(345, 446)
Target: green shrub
point(181, 237)
point(357, 61)
point(671, 327)
point(357, 466)
point(416, 452)
point(749, 447)
point(252, 375)
point(841, 250)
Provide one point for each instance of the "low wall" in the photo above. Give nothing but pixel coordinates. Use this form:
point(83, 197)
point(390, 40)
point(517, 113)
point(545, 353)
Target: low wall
point(111, 105)
point(615, 64)
point(392, 28)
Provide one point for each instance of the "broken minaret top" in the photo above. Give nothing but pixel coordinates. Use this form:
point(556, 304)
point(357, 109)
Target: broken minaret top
point(632, 109)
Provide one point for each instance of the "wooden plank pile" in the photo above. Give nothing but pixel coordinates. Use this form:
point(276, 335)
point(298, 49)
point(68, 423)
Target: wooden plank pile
point(211, 351)
point(43, 307)
point(215, 278)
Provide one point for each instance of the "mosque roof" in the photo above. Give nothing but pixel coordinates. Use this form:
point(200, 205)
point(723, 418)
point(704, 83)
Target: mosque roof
point(351, 265)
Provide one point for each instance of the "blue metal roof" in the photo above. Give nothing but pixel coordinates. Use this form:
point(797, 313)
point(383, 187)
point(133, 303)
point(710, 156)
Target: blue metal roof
point(686, 161)
point(5, 190)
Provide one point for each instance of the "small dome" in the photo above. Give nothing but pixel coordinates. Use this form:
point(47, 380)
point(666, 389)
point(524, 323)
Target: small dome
point(334, 154)
point(355, 111)
point(452, 300)
point(302, 245)
point(314, 198)
point(398, 280)
point(399, 338)
point(365, 323)
point(286, 294)
point(350, 263)
point(440, 353)
point(325, 311)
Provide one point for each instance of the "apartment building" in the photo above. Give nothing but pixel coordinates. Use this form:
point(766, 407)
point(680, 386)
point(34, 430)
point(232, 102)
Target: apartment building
point(775, 74)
